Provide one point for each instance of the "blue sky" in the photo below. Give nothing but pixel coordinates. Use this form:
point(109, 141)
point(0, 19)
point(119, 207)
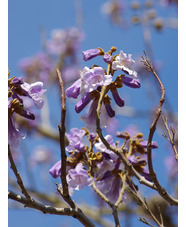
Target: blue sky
point(28, 18)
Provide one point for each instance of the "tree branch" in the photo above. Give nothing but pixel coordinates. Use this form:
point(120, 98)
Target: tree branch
point(65, 193)
point(19, 179)
point(171, 137)
point(74, 212)
point(160, 189)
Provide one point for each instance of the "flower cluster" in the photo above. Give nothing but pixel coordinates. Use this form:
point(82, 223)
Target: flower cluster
point(60, 52)
point(91, 81)
point(18, 90)
point(101, 165)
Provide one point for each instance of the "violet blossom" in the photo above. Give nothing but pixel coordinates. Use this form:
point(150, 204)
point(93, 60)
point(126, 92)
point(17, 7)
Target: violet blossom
point(64, 41)
point(130, 82)
point(18, 91)
point(93, 78)
point(34, 91)
point(77, 178)
point(100, 147)
point(38, 67)
point(109, 182)
point(91, 53)
point(90, 118)
point(74, 90)
point(75, 139)
point(107, 58)
point(124, 63)
point(55, 171)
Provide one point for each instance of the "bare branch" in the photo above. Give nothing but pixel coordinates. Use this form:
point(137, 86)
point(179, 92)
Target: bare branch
point(171, 137)
point(160, 189)
point(65, 194)
point(74, 212)
point(19, 179)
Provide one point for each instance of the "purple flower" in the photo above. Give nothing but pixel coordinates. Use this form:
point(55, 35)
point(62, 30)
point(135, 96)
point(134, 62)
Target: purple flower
point(119, 101)
point(17, 81)
point(83, 103)
point(110, 184)
point(145, 173)
point(139, 163)
point(124, 63)
point(109, 110)
point(64, 41)
point(93, 78)
point(90, 118)
point(153, 144)
point(28, 115)
point(75, 139)
point(74, 90)
point(89, 54)
point(55, 171)
point(77, 178)
point(103, 167)
point(38, 66)
point(34, 91)
point(132, 159)
point(130, 82)
point(107, 58)
point(100, 147)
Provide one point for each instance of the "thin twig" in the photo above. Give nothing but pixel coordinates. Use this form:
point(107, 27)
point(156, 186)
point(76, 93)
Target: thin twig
point(152, 129)
point(171, 137)
point(61, 127)
point(19, 179)
point(122, 191)
point(142, 202)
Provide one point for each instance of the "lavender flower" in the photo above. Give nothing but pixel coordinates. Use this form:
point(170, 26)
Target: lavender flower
point(110, 182)
point(107, 58)
point(91, 53)
point(64, 41)
point(77, 178)
point(75, 139)
point(55, 171)
point(153, 144)
point(119, 101)
point(124, 63)
point(39, 67)
point(139, 164)
point(100, 147)
point(34, 91)
point(74, 90)
point(130, 82)
point(90, 118)
point(17, 88)
point(93, 78)
point(83, 103)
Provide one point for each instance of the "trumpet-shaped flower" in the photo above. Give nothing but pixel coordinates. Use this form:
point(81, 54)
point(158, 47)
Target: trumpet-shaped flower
point(77, 178)
point(34, 91)
point(89, 54)
point(124, 63)
point(93, 78)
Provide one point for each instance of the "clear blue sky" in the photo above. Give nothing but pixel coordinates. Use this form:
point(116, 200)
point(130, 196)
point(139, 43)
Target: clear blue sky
point(27, 18)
